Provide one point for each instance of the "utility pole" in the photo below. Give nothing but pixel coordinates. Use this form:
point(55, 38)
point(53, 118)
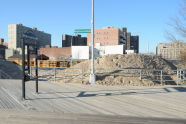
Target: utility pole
point(92, 71)
point(71, 50)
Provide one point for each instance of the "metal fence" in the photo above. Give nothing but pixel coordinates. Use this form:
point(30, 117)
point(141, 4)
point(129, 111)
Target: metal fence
point(161, 76)
point(53, 73)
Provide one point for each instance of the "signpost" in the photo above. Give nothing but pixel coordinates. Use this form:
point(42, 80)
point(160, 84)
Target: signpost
point(28, 39)
point(92, 78)
point(81, 31)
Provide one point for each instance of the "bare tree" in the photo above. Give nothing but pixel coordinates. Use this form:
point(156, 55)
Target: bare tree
point(178, 32)
point(178, 24)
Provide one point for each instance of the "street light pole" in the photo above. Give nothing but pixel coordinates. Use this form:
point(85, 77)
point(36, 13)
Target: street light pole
point(71, 51)
point(92, 75)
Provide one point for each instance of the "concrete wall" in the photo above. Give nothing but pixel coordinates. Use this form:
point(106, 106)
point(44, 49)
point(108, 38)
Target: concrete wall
point(80, 52)
point(105, 50)
point(83, 52)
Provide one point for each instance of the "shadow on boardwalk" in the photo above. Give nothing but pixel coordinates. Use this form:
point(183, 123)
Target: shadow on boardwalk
point(98, 93)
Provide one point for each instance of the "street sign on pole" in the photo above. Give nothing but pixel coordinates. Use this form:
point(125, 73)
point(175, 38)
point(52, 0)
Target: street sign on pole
point(82, 31)
point(28, 39)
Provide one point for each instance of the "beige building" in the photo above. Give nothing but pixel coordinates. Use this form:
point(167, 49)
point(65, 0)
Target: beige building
point(170, 50)
point(12, 52)
point(15, 32)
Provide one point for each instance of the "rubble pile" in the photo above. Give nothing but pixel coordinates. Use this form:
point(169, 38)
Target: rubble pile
point(118, 70)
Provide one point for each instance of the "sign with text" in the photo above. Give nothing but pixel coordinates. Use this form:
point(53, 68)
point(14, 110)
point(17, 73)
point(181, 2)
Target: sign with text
point(82, 31)
point(30, 38)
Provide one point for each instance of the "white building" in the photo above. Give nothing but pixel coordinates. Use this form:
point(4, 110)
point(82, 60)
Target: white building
point(80, 52)
point(84, 52)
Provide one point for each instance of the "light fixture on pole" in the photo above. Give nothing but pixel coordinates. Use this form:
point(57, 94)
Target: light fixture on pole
point(92, 69)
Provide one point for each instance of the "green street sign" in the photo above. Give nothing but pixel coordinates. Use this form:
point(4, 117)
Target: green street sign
point(82, 31)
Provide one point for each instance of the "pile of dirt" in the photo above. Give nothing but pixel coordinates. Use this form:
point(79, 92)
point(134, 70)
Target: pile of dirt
point(9, 70)
point(109, 73)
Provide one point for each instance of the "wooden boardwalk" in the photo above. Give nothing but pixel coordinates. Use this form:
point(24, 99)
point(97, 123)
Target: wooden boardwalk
point(161, 102)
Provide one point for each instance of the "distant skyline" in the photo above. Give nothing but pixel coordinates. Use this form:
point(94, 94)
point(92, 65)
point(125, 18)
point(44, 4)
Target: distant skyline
point(146, 18)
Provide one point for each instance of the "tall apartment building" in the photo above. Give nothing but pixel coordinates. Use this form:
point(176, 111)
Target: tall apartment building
point(68, 40)
point(15, 32)
point(114, 36)
point(170, 51)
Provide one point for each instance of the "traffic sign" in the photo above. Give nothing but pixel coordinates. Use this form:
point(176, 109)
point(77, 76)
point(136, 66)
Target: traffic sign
point(82, 31)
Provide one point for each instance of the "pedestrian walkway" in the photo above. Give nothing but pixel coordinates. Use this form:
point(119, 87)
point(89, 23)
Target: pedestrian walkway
point(148, 102)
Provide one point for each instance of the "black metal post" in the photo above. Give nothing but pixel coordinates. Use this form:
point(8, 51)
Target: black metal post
point(28, 59)
point(36, 61)
point(23, 69)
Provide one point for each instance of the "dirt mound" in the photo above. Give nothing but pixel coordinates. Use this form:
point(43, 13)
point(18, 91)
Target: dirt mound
point(109, 69)
point(133, 61)
point(9, 70)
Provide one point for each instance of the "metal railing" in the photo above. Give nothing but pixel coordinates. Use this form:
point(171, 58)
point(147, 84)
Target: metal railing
point(161, 76)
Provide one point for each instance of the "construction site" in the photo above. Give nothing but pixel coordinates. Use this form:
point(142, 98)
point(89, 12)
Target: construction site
point(92, 75)
point(139, 86)
point(128, 86)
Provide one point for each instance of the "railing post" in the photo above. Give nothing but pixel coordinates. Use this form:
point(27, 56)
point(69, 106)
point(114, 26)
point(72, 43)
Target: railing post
point(140, 74)
point(54, 74)
point(178, 76)
point(82, 72)
point(30, 70)
point(181, 76)
point(161, 77)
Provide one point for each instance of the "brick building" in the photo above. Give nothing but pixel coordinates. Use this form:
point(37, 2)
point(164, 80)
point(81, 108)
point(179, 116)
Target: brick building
point(77, 40)
point(170, 51)
point(114, 36)
point(55, 53)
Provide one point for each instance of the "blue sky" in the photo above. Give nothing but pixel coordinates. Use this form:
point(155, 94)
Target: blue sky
point(146, 18)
